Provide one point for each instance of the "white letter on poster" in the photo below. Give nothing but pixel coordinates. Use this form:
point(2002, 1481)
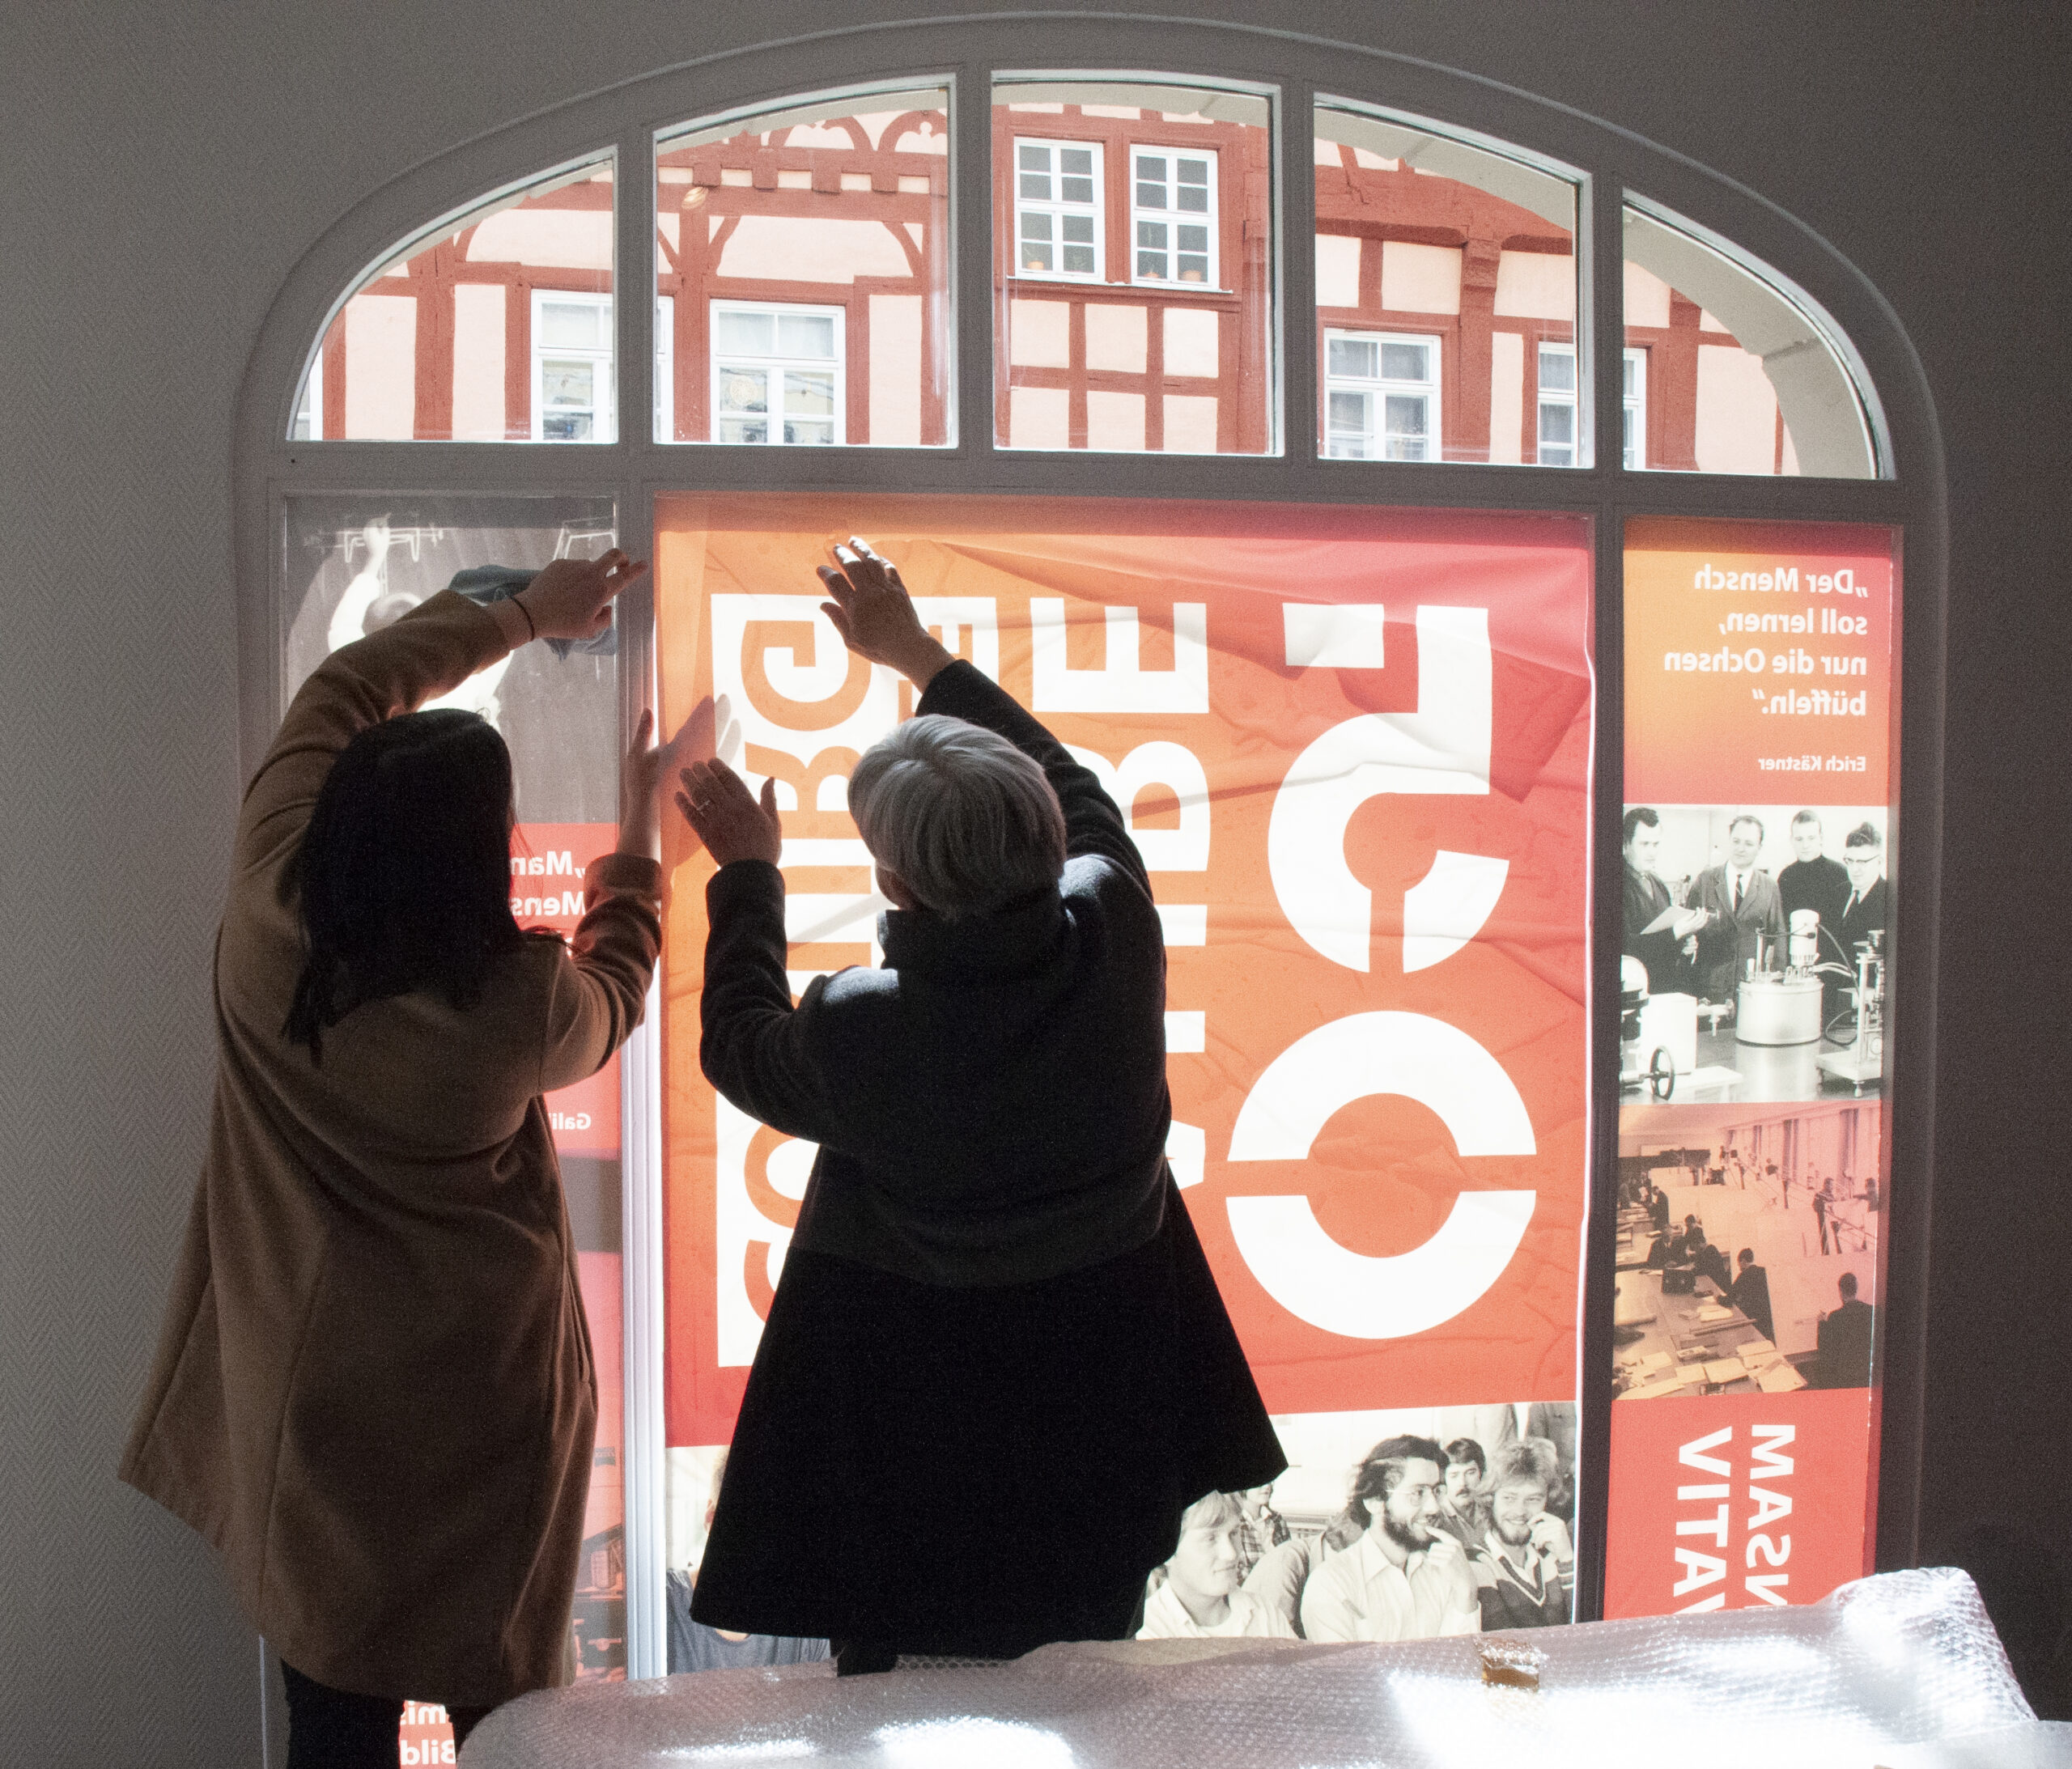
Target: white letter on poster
point(1310, 1274)
point(1159, 764)
point(950, 617)
point(1443, 747)
point(1121, 685)
point(1446, 908)
point(1334, 635)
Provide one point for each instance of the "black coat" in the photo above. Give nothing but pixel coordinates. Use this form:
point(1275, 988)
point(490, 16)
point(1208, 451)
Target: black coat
point(1751, 1294)
point(996, 1367)
point(1645, 898)
point(1820, 883)
point(1844, 1346)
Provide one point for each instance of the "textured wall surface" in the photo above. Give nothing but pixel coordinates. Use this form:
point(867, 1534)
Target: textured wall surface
point(166, 165)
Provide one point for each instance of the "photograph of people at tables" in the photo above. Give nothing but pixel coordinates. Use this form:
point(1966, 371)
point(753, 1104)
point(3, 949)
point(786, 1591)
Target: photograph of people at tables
point(1747, 1248)
point(1753, 952)
point(1391, 1525)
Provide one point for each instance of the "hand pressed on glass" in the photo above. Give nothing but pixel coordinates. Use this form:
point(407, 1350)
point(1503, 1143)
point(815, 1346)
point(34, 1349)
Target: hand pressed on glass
point(874, 615)
point(729, 819)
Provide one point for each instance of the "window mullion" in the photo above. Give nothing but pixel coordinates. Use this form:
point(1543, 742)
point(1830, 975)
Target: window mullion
point(973, 223)
point(1296, 345)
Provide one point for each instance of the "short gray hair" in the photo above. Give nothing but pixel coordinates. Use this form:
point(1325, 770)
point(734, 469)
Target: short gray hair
point(966, 820)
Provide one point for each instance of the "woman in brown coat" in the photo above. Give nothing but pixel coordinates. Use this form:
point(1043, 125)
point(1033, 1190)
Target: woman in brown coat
point(374, 1392)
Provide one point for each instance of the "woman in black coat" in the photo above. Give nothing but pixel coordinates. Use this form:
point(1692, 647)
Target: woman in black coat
point(996, 1369)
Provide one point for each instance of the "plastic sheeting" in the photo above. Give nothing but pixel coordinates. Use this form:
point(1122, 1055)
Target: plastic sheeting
point(1904, 1660)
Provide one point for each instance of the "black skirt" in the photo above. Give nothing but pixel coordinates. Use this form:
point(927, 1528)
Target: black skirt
point(978, 1470)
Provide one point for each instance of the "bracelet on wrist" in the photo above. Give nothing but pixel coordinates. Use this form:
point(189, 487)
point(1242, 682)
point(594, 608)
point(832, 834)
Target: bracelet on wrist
point(532, 631)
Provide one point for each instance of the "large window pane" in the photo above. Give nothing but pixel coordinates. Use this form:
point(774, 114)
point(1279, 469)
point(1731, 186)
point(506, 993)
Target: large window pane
point(350, 565)
point(802, 275)
point(497, 328)
point(1132, 271)
point(1740, 376)
point(1376, 1018)
point(1445, 277)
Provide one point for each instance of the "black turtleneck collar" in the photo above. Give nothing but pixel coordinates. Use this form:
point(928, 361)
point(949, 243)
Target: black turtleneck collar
point(1019, 936)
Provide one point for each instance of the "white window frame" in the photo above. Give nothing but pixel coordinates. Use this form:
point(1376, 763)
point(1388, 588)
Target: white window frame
point(1173, 217)
point(1380, 388)
point(1635, 418)
point(1057, 208)
point(777, 364)
point(603, 426)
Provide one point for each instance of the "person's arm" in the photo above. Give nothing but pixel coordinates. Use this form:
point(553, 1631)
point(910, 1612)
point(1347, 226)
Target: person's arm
point(876, 618)
point(602, 988)
point(754, 1045)
point(432, 650)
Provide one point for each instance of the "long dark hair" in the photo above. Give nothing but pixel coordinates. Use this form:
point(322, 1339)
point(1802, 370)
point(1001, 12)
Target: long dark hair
point(405, 870)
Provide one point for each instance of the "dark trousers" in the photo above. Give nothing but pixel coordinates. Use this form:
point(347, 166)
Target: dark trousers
point(334, 1729)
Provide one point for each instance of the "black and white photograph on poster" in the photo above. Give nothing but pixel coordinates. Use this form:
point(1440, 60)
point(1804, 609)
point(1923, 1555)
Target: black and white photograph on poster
point(1747, 1248)
point(1394, 1525)
point(1753, 953)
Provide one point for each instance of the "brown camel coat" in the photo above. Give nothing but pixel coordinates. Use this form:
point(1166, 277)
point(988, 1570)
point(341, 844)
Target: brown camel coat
point(374, 1393)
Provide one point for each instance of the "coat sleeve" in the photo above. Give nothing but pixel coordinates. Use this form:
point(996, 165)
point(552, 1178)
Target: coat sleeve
point(600, 985)
point(755, 1047)
point(434, 648)
point(1094, 822)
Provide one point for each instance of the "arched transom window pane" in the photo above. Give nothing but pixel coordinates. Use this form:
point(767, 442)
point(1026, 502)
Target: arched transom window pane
point(802, 275)
point(1131, 274)
point(1735, 375)
point(496, 329)
point(1445, 300)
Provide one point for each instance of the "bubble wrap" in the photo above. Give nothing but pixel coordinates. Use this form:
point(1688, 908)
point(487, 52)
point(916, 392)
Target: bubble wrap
point(1908, 1659)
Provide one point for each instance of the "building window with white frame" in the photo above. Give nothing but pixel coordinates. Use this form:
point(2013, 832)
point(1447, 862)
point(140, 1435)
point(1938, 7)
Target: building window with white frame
point(1057, 209)
point(1173, 216)
point(573, 389)
point(1635, 417)
point(1382, 396)
point(776, 373)
point(1557, 406)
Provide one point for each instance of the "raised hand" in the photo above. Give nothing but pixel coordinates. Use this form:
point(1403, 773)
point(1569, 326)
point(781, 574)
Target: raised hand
point(875, 616)
point(647, 764)
point(716, 803)
point(572, 598)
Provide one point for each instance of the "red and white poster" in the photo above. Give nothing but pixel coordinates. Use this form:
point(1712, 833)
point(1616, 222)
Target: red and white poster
point(1760, 695)
point(1354, 747)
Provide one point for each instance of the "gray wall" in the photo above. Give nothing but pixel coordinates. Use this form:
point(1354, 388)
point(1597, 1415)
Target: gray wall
point(166, 164)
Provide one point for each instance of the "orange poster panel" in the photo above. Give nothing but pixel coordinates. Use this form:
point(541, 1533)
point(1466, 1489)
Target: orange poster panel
point(1354, 746)
point(1734, 1501)
point(1758, 662)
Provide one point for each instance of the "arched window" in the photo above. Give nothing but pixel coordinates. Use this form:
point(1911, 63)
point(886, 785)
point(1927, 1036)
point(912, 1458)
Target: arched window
point(1486, 807)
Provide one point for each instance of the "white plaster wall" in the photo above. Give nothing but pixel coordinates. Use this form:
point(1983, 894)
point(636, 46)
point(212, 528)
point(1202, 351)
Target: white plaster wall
point(170, 162)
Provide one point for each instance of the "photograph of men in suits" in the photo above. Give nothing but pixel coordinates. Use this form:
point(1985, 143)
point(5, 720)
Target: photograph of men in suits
point(1812, 881)
point(1662, 941)
point(1863, 854)
point(1844, 1359)
point(1740, 905)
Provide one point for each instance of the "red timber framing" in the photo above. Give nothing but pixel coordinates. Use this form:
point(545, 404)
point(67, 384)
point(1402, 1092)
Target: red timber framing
point(713, 186)
point(1244, 230)
point(1376, 204)
point(432, 275)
